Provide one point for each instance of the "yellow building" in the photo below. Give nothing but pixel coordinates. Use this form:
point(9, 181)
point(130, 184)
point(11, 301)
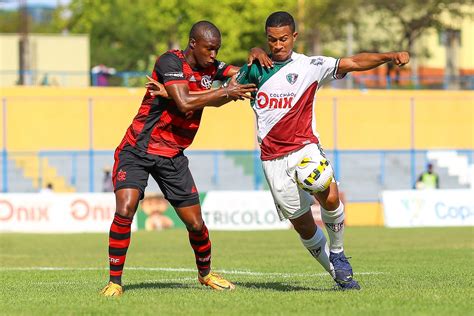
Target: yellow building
point(54, 59)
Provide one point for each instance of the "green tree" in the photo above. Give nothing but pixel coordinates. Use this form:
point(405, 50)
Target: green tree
point(242, 24)
point(123, 34)
point(324, 22)
point(9, 21)
point(403, 22)
point(128, 36)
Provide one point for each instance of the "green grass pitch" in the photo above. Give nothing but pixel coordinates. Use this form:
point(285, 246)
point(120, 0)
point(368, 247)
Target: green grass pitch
point(402, 272)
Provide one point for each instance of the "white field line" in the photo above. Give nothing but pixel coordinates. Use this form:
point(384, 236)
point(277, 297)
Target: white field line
point(251, 273)
point(175, 280)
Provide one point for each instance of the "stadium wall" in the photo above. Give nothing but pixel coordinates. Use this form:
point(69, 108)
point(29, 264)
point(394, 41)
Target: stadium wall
point(47, 118)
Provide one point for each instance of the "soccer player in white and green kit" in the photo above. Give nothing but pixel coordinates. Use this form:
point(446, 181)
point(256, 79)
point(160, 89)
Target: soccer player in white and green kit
point(289, 143)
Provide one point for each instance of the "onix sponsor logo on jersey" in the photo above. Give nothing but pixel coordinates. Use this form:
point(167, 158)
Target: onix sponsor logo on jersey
point(274, 100)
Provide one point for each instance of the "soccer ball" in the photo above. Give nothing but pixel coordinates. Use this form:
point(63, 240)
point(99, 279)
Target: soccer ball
point(314, 174)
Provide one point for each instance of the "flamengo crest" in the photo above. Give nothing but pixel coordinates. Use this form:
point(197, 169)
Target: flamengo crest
point(291, 78)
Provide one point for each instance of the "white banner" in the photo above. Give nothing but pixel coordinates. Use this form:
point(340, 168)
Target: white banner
point(428, 208)
point(57, 212)
point(241, 210)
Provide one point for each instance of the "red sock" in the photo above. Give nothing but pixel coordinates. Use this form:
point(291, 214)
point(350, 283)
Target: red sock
point(119, 240)
point(202, 249)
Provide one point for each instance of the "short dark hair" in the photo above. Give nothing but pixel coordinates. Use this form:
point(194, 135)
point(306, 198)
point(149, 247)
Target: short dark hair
point(280, 18)
point(204, 29)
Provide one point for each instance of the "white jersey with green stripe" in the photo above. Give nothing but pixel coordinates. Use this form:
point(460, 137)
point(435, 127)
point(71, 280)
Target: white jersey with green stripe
point(283, 104)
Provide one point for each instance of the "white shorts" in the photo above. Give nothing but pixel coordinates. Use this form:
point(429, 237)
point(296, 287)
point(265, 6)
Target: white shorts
point(290, 200)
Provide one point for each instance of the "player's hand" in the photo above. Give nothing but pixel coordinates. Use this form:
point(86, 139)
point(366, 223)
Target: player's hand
point(237, 91)
point(400, 58)
point(259, 54)
point(155, 88)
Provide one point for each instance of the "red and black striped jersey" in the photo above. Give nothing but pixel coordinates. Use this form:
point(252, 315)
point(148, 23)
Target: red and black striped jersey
point(159, 128)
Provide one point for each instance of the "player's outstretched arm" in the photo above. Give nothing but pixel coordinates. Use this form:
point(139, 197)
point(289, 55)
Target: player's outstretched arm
point(186, 101)
point(366, 61)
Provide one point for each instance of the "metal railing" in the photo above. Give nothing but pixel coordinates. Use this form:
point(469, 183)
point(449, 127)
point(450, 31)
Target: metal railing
point(362, 173)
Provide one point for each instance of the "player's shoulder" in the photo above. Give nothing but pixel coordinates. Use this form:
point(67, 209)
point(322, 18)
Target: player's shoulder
point(171, 56)
point(220, 64)
point(249, 72)
point(306, 60)
point(320, 60)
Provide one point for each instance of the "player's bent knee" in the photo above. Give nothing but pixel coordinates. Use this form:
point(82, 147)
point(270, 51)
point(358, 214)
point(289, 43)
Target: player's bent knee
point(126, 209)
point(304, 225)
point(195, 226)
point(126, 212)
point(331, 204)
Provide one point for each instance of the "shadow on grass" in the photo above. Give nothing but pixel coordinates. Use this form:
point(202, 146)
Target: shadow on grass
point(273, 286)
point(281, 287)
point(157, 285)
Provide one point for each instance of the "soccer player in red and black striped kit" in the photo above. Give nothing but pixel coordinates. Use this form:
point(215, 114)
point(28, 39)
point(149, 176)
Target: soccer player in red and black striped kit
point(154, 144)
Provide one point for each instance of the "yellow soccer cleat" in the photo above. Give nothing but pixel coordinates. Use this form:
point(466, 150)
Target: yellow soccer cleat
point(216, 282)
point(112, 289)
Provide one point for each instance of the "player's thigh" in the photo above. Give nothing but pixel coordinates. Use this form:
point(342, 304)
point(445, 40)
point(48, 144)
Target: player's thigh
point(290, 200)
point(175, 180)
point(130, 171)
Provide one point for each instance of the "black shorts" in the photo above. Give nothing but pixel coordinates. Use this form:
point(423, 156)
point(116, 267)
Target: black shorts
point(131, 170)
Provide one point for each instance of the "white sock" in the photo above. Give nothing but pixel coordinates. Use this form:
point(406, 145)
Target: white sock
point(334, 221)
point(318, 247)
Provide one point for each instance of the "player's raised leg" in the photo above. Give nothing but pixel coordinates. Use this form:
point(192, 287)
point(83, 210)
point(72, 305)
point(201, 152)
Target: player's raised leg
point(332, 214)
point(201, 244)
point(119, 238)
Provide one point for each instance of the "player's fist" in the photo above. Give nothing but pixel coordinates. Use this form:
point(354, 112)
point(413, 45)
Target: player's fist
point(155, 88)
point(400, 58)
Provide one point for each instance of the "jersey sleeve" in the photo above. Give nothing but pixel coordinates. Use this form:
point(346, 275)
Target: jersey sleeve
point(326, 69)
point(222, 70)
point(169, 69)
point(243, 76)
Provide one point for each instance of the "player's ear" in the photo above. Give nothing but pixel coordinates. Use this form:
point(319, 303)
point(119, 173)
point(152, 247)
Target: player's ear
point(192, 43)
point(295, 35)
